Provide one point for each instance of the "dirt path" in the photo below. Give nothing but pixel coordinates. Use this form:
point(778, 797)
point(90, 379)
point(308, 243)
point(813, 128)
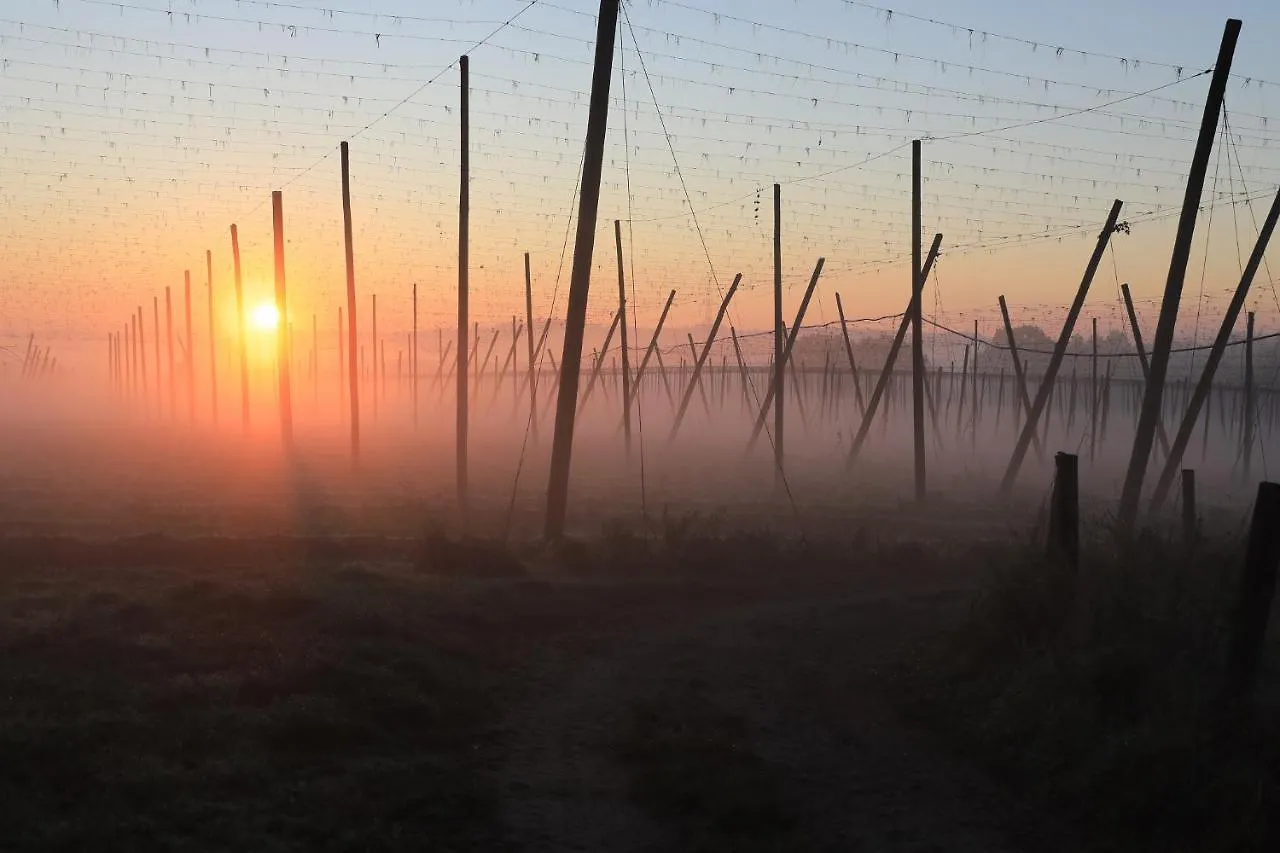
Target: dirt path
point(756, 725)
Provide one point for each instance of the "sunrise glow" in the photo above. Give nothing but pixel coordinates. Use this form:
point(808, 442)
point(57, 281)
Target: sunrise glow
point(265, 317)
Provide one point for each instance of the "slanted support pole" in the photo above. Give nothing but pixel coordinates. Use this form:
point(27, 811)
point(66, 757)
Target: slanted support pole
point(1059, 350)
point(1153, 394)
point(1142, 360)
point(771, 395)
point(702, 356)
point(886, 372)
point(1201, 393)
point(848, 348)
point(1022, 398)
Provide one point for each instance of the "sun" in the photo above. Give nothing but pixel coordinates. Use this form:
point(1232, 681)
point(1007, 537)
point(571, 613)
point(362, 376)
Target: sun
point(265, 317)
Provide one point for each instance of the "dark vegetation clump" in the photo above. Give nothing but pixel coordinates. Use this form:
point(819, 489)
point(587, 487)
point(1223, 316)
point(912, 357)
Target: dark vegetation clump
point(1108, 702)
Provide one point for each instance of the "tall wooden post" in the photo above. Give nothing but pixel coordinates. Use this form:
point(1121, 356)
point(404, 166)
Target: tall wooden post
point(353, 367)
point(282, 332)
point(464, 236)
point(1216, 352)
point(191, 350)
point(132, 343)
point(1154, 391)
point(533, 367)
point(779, 363)
point(580, 278)
point(373, 332)
point(917, 328)
point(240, 322)
point(168, 330)
point(213, 341)
point(1059, 349)
point(1247, 455)
point(626, 355)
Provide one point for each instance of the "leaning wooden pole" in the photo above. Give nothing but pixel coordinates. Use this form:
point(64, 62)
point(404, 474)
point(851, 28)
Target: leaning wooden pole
point(599, 362)
point(353, 366)
point(282, 331)
point(464, 238)
point(1201, 393)
point(1059, 350)
point(1152, 397)
point(580, 278)
point(1022, 399)
point(706, 350)
point(1161, 436)
point(848, 349)
point(626, 355)
point(213, 342)
point(886, 372)
point(771, 394)
point(653, 346)
point(243, 340)
point(917, 329)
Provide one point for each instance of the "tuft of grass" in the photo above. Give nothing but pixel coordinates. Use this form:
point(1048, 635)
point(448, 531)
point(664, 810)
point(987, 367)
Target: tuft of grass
point(1105, 702)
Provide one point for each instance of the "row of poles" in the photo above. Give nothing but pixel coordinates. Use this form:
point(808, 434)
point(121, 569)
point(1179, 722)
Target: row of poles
point(570, 371)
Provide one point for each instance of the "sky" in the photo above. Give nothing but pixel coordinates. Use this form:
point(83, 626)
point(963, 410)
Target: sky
point(136, 133)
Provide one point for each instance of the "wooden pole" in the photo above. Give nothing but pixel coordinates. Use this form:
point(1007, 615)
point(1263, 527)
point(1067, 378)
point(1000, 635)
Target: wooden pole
point(1248, 397)
point(917, 333)
point(702, 356)
point(1055, 361)
point(1257, 589)
point(599, 362)
point(353, 367)
point(1022, 398)
point(1161, 436)
point(213, 342)
point(886, 372)
point(243, 342)
point(315, 360)
point(790, 338)
point(626, 356)
point(1093, 395)
point(168, 330)
point(191, 350)
point(1216, 352)
point(132, 342)
point(777, 390)
point(1064, 514)
point(464, 238)
point(1190, 521)
point(653, 342)
point(374, 337)
point(282, 332)
point(1163, 343)
point(533, 366)
point(848, 348)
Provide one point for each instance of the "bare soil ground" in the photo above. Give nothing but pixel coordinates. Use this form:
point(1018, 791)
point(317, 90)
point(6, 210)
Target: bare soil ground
point(203, 700)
